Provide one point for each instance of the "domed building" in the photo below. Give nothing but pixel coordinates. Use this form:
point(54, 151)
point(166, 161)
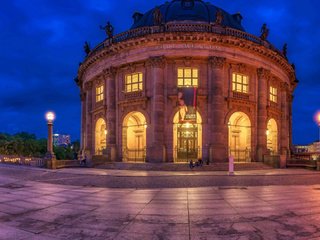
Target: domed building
point(186, 82)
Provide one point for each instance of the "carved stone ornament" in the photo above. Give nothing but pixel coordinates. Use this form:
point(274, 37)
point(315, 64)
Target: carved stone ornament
point(88, 86)
point(217, 62)
point(131, 67)
point(263, 73)
point(157, 62)
point(110, 72)
point(187, 61)
point(83, 96)
point(284, 86)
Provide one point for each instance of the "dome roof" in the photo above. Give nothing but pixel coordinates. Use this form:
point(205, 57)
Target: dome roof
point(188, 10)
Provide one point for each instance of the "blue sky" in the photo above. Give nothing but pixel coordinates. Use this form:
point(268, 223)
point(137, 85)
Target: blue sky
point(42, 44)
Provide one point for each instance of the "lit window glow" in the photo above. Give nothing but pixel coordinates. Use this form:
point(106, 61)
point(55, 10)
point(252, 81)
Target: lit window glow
point(99, 93)
point(273, 94)
point(188, 77)
point(240, 83)
point(134, 82)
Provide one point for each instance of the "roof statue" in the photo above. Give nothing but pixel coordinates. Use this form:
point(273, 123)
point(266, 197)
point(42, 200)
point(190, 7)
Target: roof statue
point(108, 29)
point(157, 16)
point(264, 32)
point(285, 50)
point(86, 48)
point(219, 17)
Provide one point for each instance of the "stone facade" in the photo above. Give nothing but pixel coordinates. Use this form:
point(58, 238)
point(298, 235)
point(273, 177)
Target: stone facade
point(217, 52)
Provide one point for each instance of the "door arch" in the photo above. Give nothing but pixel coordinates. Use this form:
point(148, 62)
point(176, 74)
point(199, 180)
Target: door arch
point(240, 137)
point(134, 138)
point(272, 136)
point(187, 139)
point(100, 136)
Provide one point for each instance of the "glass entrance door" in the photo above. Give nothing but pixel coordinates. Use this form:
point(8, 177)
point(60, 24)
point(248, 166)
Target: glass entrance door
point(187, 147)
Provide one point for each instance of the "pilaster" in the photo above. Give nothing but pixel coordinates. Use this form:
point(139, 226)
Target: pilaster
point(109, 76)
point(218, 150)
point(263, 77)
point(155, 152)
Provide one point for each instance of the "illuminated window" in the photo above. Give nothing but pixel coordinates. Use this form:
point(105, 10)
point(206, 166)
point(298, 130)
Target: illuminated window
point(240, 83)
point(134, 82)
point(188, 77)
point(99, 93)
point(273, 94)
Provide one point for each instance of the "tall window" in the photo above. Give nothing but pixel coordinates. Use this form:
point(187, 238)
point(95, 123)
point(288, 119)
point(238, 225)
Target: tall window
point(99, 93)
point(273, 94)
point(134, 82)
point(188, 77)
point(240, 83)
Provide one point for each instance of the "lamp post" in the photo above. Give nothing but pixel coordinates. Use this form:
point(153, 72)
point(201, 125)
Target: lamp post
point(318, 122)
point(50, 157)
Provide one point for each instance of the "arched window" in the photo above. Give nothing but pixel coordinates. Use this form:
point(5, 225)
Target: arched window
point(134, 138)
point(240, 137)
point(272, 136)
point(100, 136)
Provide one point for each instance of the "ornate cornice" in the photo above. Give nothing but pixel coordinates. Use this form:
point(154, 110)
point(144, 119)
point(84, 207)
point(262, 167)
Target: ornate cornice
point(157, 62)
point(217, 62)
point(218, 40)
point(263, 73)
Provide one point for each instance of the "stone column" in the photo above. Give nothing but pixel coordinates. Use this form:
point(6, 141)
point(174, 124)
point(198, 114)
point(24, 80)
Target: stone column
point(218, 150)
point(89, 147)
point(109, 75)
point(263, 76)
point(83, 141)
point(156, 151)
point(284, 131)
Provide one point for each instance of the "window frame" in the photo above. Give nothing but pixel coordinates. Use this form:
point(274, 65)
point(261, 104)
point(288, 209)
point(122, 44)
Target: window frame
point(99, 93)
point(273, 94)
point(240, 86)
point(193, 77)
point(129, 85)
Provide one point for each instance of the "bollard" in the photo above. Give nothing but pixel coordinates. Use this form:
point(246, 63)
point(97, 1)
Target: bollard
point(231, 166)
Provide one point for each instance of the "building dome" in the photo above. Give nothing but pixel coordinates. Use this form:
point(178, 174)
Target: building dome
point(188, 10)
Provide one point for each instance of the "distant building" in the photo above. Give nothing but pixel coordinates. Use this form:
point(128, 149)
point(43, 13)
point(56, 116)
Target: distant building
point(61, 140)
point(311, 151)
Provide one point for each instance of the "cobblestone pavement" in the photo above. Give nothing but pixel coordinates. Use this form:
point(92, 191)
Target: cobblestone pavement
point(31, 208)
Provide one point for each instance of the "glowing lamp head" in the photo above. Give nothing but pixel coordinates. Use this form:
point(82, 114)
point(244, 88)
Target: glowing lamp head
point(317, 118)
point(50, 116)
point(267, 132)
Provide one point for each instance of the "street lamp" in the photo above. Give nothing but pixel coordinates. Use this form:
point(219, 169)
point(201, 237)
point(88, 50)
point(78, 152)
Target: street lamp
point(50, 157)
point(317, 119)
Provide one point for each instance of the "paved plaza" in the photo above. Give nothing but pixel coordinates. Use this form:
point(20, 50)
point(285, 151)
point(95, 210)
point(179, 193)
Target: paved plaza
point(44, 204)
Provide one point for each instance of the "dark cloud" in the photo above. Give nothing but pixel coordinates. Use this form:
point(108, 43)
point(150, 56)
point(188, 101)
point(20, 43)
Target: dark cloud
point(42, 43)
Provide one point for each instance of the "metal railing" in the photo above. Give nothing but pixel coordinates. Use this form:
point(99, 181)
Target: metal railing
point(134, 155)
point(19, 160)
point(240, 155)
point(185, 155)
point(184, 27)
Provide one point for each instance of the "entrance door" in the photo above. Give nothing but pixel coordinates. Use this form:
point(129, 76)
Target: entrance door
point(187, 147)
